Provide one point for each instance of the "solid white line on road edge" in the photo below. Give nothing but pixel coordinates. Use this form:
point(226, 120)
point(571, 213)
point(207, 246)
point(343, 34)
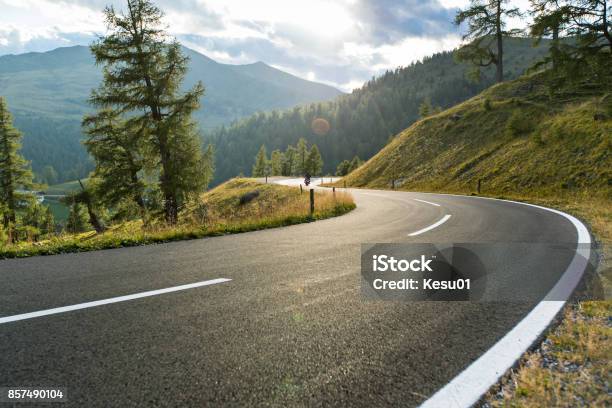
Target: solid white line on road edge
point(432, 226)
point(96, 303)
point(471, 384)
point(426, 202)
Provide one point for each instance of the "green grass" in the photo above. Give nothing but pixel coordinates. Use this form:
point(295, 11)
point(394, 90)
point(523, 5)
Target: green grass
point(218, 212)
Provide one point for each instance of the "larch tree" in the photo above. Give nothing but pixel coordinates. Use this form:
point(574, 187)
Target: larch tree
point(486, 30)
point(77, 217)
point(289, 161)
point(301, 156)
point(15, 171)
point(143, 72)
point(261, 162)
point(586, 51)
point(276, 163)
point(314, 162)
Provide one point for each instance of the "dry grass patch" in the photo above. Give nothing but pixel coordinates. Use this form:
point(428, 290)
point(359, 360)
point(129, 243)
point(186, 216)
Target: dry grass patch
point(571, 368)
point(217, 212)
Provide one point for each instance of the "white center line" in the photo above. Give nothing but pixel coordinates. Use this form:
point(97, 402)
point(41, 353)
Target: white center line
point(96, 303)
point(426, 202)
point(432, 226)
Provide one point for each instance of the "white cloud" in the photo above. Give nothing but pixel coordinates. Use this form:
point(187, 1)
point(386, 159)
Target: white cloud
point(403, 53)
point(454, 3)
point(339, 42)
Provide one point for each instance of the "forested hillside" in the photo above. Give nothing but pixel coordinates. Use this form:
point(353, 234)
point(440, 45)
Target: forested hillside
point(47, 94)
point(363, 122)
point(515, 138)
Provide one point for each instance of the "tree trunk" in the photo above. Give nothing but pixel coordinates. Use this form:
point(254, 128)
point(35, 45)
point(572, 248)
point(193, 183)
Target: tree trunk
point(500, 45)
point(604, 18)
point(555, 45)
point(139, 200)
point(170, 201)
point(93, 217)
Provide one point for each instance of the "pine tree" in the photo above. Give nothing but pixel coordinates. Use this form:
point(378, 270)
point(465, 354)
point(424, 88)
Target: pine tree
point(276, 163)
point(261, 161)
point(14, 170)
point(289, 161)
point(486, 30)
point(142, 76)
point(314, 162)
point(302, 155)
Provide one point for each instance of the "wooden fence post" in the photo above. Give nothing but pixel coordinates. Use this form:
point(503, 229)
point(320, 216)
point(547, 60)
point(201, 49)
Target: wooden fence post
point(312, 204)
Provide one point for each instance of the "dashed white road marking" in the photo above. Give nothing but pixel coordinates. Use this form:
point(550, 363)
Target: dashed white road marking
point(426, 202)
point(96, 303)
point(432, 226)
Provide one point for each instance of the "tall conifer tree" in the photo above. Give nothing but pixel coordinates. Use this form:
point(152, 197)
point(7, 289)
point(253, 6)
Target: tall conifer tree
point(314, 162)
point(261, 161)
point(302, 155)
point(15, 171)
point(143, 71)
point(486, 30)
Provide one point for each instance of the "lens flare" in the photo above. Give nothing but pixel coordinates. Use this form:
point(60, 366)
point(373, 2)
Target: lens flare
point(320, 126)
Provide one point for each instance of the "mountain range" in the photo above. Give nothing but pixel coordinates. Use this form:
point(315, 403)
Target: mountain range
point(47, 94)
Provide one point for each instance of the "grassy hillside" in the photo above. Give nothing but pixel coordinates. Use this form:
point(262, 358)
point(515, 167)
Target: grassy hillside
point(217, 212)
point(514, 137)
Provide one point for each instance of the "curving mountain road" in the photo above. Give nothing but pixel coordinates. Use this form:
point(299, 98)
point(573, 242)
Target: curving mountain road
point(290, 327)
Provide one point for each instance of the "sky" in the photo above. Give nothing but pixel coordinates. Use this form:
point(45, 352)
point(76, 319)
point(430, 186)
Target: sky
point(338, 42)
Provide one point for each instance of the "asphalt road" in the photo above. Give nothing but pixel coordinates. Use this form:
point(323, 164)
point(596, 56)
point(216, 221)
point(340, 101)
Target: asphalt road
point(291, 328)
